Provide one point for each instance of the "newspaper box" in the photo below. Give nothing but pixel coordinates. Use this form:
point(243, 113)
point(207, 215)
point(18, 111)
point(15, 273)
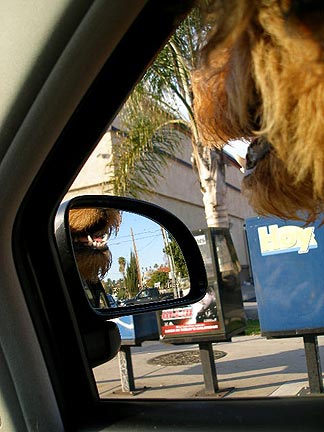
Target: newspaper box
point(287, 260)
point(220, 314)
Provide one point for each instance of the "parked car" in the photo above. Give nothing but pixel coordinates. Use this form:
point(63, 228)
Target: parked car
point(66, 69)
point(148, 295)
point(145, 295)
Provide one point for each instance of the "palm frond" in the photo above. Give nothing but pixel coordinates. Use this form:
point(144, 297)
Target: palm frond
point(150, 120)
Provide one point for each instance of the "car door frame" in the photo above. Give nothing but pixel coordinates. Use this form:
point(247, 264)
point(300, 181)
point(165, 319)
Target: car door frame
point(70, 381)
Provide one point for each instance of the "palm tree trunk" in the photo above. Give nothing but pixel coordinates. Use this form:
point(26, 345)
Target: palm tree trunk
point(211, 169)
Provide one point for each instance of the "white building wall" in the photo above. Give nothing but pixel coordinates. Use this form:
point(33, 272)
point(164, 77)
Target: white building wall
point(92, 179)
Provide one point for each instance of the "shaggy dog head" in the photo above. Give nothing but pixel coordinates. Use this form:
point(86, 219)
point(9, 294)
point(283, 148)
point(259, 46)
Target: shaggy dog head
point(261, 77)
point(90, 230)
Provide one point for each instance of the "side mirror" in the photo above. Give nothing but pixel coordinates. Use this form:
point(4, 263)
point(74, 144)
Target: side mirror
point(123, 256)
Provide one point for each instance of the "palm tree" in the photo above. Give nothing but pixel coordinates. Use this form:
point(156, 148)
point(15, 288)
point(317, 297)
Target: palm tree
point(122, 268)
point(159, 108)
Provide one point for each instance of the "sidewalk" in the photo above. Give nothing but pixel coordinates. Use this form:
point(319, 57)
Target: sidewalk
point(252, 366)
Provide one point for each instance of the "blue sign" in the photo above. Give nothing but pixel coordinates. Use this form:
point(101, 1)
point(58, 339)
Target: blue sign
point(287, 260)
point(126, 327)
point(134, 329)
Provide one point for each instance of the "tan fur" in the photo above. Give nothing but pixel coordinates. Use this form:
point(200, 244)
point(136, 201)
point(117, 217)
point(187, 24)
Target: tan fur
point(262, 74)
point(93, 264)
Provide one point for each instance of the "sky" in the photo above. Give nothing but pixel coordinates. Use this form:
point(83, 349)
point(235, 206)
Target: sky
point(148, 242)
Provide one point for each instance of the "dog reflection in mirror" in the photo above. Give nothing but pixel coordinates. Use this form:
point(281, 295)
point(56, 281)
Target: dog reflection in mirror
point(261, 77)
point(91, 229)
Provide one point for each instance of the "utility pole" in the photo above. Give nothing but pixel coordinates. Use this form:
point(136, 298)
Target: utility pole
point(171, 263)
point(137, 262)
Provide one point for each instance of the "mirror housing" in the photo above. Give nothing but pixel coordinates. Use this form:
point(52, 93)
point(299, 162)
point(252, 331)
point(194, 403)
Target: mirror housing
point(178, 230)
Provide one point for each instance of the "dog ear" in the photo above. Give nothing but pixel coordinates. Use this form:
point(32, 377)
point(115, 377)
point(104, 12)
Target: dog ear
point(271, 190)
point(265, 78)
point(225, 99)
point(226, 104)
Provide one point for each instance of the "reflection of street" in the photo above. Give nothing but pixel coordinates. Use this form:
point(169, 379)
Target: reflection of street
point(253, 366)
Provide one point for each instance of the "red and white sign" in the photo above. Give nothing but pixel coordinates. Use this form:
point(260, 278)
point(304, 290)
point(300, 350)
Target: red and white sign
point(189, 328)
point(200, 317)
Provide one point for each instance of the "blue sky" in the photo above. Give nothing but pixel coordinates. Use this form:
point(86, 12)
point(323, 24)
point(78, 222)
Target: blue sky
point(148, 241)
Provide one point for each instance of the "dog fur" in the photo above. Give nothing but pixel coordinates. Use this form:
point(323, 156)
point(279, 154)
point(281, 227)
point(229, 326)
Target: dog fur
point(90, 231)
point(261, 74)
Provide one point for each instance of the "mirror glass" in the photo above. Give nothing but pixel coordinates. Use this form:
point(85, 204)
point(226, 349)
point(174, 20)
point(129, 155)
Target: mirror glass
point(126, 259)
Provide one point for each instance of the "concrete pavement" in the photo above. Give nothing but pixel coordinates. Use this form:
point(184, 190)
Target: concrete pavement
point(252, 366)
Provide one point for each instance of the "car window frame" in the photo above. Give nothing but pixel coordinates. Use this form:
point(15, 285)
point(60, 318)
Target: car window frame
point(60, 340)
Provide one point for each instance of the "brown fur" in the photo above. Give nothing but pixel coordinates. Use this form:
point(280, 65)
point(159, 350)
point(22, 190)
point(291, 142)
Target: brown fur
point(262, 74)
point(93, 263)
